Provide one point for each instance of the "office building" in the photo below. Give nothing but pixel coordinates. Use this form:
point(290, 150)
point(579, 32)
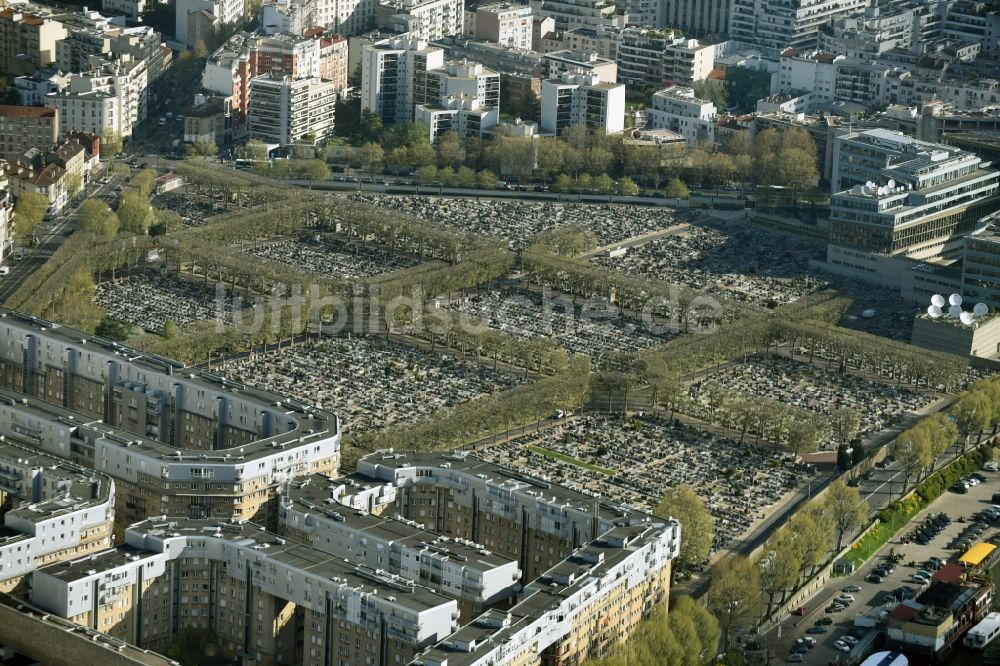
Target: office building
point(582, 99)
point(27, 41)
point(24, 127)
point(897, 197)
point(289, 111)
point(981, 266)
point(678, 110)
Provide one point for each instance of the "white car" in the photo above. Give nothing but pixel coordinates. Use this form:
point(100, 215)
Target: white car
point(842, 646)
point(846, 599)
point(852, 588)
point(850, 640)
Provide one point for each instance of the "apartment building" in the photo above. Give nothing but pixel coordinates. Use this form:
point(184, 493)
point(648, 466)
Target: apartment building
point(696, 17)
point(504, 23)
point(895, 196)
point(24, 127)
point(312, 513)
point(345, 17)
point(582, 99)
point(332, 59)
point(395, 77)
point(53, 511)
point(602, 41)
point(879, 30)
point(49, 180)
point(267, 599)
point(570, 14)
point(648, 59)
point(558, 63)
point(27, 41)
point(678, 110)
point(422, 19)
point(779, 24)
point(111, 97)
point(290, 111)
point(175, 441)
point(195, 19)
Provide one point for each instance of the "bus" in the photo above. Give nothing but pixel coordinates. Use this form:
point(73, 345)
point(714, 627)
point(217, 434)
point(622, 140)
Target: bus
point(983, 633)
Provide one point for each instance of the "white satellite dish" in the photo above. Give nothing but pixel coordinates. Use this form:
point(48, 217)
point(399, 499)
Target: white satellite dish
point(881, 191)
point(891, 184)
point(933, 311)
point(980, 309)
point(967, 318)
point(938, 300)
point(954, 311)
point(870, 184)
point(955, 299)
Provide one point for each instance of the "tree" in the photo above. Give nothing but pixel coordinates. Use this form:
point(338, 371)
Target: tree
point(564, 183)
point(515, 155)
point(734, 594)
point(312, 169)
point(847, 510)
point(486, 179)
point(29, 211)
point(165, 221)
point(705, 624)
point(844, 423)
point(97, 218)
point(713, 91)
point(676, 189)
point(135, 214)
point(370, 125)
point(551, 157)
point(112, 329)
point(450, 151)
point(170, 329)
point(603, 184)
point(812, 536)
point(203, 148)
point(74, 183)
point(942, 432)
point(627, 187)
point(254, 149)
point(372, 156)
point(843, 458)
point(111, 144)
point(972, 415)
point(144, 183)
point(780, 563)
point(913, 450)
point(465, 177)
point(421, 153)
point(802, 436)
point(427, 175)
point(697, 528)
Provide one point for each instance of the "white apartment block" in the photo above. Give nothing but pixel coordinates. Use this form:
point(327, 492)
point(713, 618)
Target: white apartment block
point(290, 111)
point(570, 14)
point(504, 23)
point(394, 77)
point(112, 98)
point(466, 116)
point(562, 62)
point(193, 18)
point(423, 19)
point(678, 110)
point(582, 99)
point(779, 24)
point(347, 17)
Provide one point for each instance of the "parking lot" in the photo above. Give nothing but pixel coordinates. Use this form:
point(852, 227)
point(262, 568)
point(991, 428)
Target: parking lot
point(873, 597)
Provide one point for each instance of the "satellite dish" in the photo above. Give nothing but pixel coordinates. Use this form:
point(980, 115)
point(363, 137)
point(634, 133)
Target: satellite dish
point(954, 311)
point(856, 189)
point(938, 300)
point(933, 311)
point(981, 309)
point(868, 314)
point(891, 184)
point(955, 299)
point(967, 318)
point(870, 184)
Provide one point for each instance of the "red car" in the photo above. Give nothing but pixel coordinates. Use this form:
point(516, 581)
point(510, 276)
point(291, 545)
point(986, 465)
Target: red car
point(801, 610)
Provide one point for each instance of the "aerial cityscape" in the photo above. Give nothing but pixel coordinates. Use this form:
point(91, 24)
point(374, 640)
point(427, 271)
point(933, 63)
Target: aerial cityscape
point(499, 333)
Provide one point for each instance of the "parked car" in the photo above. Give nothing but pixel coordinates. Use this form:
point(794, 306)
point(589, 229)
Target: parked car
point(842, 646)
point(850, 640)
point(801, 610)
point(796, 658)
point(824, 622)
point(851, 588)
point(846, 599)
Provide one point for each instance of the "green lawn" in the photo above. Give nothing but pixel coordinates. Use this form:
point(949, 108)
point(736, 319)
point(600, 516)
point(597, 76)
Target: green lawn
point(880, 535)
point(555, 455)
